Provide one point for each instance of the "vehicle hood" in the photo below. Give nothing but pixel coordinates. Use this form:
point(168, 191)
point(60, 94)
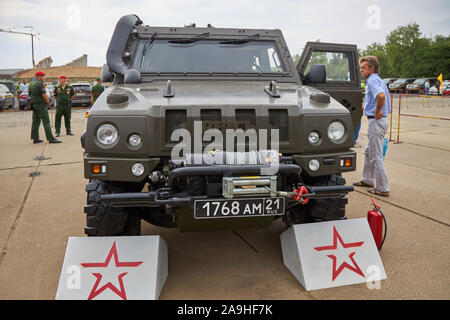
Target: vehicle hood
point(144, 97)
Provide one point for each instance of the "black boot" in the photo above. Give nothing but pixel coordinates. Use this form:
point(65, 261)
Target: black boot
point(37, 141)
point(54, 141)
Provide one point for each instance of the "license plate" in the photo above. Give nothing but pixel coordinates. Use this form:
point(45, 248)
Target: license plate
point(205, 209)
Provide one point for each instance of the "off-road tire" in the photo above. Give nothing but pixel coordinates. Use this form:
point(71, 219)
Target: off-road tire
point(103, 220)
point(297, 215)
point(329, 209)
point(318, 209)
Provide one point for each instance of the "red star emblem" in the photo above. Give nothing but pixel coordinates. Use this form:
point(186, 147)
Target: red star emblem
point(355, 268)
point(112, 252)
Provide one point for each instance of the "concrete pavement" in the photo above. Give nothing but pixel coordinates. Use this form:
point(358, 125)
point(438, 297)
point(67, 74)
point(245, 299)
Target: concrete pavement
point(38, 214)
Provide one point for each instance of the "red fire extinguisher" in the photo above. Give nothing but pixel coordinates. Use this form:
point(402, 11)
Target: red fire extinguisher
point(376, 218)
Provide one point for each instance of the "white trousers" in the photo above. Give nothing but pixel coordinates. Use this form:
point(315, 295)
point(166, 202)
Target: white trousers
point(374, 171)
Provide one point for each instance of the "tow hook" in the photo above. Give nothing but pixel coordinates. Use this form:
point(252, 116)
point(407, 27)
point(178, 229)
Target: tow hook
point(296, 194)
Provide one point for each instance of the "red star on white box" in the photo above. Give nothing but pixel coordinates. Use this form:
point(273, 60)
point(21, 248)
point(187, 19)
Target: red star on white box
point(336, 271)
point(118, 264)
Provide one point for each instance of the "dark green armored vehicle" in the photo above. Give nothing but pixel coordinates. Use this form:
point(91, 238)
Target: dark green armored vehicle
point(212, 128)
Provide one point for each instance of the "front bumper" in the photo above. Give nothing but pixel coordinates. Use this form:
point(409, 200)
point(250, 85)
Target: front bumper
point(118, 169)
point(163, 196)
point(81, 101)
point(330, 163)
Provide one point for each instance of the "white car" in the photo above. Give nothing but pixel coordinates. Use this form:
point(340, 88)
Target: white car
point(434, 91)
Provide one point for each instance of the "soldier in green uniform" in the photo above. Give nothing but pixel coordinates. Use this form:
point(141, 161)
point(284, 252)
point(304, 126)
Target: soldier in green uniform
point(97, 90)
point(39, 103)
point(63, 94)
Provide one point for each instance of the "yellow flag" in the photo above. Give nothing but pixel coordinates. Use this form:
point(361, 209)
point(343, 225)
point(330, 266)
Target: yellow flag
point(440, 78)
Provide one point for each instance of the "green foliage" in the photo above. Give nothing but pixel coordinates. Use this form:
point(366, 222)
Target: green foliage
point(408, 54)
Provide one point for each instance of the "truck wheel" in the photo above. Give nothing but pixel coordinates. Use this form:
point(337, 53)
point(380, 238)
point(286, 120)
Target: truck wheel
point(103, 220)
point(328, 209)
point(297, 215)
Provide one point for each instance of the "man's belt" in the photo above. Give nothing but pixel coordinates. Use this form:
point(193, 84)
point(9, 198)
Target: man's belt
point(373, 117)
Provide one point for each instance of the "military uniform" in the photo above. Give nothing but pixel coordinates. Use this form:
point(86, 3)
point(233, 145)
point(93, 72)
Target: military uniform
point(97, 91)
point(63, 106)
point(40, 112)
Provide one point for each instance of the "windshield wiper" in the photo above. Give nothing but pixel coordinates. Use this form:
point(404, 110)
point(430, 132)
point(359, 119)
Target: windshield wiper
point(147, 46)
point(191, 39)
point(241, 41)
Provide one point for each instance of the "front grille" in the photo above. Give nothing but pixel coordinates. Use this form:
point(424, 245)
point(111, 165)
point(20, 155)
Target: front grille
point(246, 118)
point(175, 119)
point(279, 119)
point(211, 115)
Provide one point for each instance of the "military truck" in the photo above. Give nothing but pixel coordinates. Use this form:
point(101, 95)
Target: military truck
point(190, 85)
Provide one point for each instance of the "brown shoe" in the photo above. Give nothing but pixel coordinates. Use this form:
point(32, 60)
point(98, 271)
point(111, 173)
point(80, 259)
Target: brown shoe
point(378, 193)
point(363, 184)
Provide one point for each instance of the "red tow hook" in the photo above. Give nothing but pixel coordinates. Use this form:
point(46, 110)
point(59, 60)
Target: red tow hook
point(298, 195)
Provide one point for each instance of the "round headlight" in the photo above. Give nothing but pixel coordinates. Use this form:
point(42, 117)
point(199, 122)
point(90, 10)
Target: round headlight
point(314, 165)
point(134, 140)
point(336, 131)
point(313, 138)
point(107, 134)
point(137, 169)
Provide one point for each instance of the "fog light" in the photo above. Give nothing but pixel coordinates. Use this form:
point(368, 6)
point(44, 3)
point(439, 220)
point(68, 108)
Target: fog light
point(314, 165)
point(313, 138)
point(137, 169)
point(134, 140)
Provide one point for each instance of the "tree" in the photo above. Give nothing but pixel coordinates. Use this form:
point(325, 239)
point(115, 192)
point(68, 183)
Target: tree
point(378, 50)
point(406, 54)
point(402, 45)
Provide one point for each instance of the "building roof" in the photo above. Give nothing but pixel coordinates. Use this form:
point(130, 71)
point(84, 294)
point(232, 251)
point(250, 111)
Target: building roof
point(72, 72)
point(9, 72)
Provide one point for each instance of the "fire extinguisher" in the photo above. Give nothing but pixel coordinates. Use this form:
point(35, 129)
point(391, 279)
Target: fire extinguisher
point(376, 218)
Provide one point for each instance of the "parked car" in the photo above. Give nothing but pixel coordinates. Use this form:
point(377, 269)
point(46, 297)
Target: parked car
point(400, 84)
point(418, 86)
point(435, 90)
point(82, 95)
point(25, 101)
point(6, 98)
point(10, 85)
point(388, 81)
point(49, 91)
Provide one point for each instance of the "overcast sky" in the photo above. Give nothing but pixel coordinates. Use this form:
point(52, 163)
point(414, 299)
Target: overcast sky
point(69, 29)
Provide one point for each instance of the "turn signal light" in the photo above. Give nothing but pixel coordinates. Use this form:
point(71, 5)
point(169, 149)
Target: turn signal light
point(348, 163)
point(96, 168)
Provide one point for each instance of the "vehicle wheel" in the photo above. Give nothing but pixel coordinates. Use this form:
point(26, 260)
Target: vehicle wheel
point(297, 215)
point(328, 209)
point(103, 220)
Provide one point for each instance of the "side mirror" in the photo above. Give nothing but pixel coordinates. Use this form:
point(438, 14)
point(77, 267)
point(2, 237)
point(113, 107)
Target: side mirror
point(106, 75)
point(317, 74)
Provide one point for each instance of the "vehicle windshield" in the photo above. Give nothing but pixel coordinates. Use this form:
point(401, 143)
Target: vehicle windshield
point(419, 81)
point(204, 56)
point(81, 88)
point(400, 81)
point(4, 89)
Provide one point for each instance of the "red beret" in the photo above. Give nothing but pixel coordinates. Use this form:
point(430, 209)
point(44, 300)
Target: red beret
point(40, 73)
point(62, 77)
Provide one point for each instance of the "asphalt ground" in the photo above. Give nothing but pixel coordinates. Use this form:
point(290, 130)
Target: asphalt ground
point(38, 213)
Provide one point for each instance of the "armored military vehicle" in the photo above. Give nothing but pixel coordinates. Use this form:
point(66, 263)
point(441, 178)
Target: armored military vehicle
point(213, 128)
